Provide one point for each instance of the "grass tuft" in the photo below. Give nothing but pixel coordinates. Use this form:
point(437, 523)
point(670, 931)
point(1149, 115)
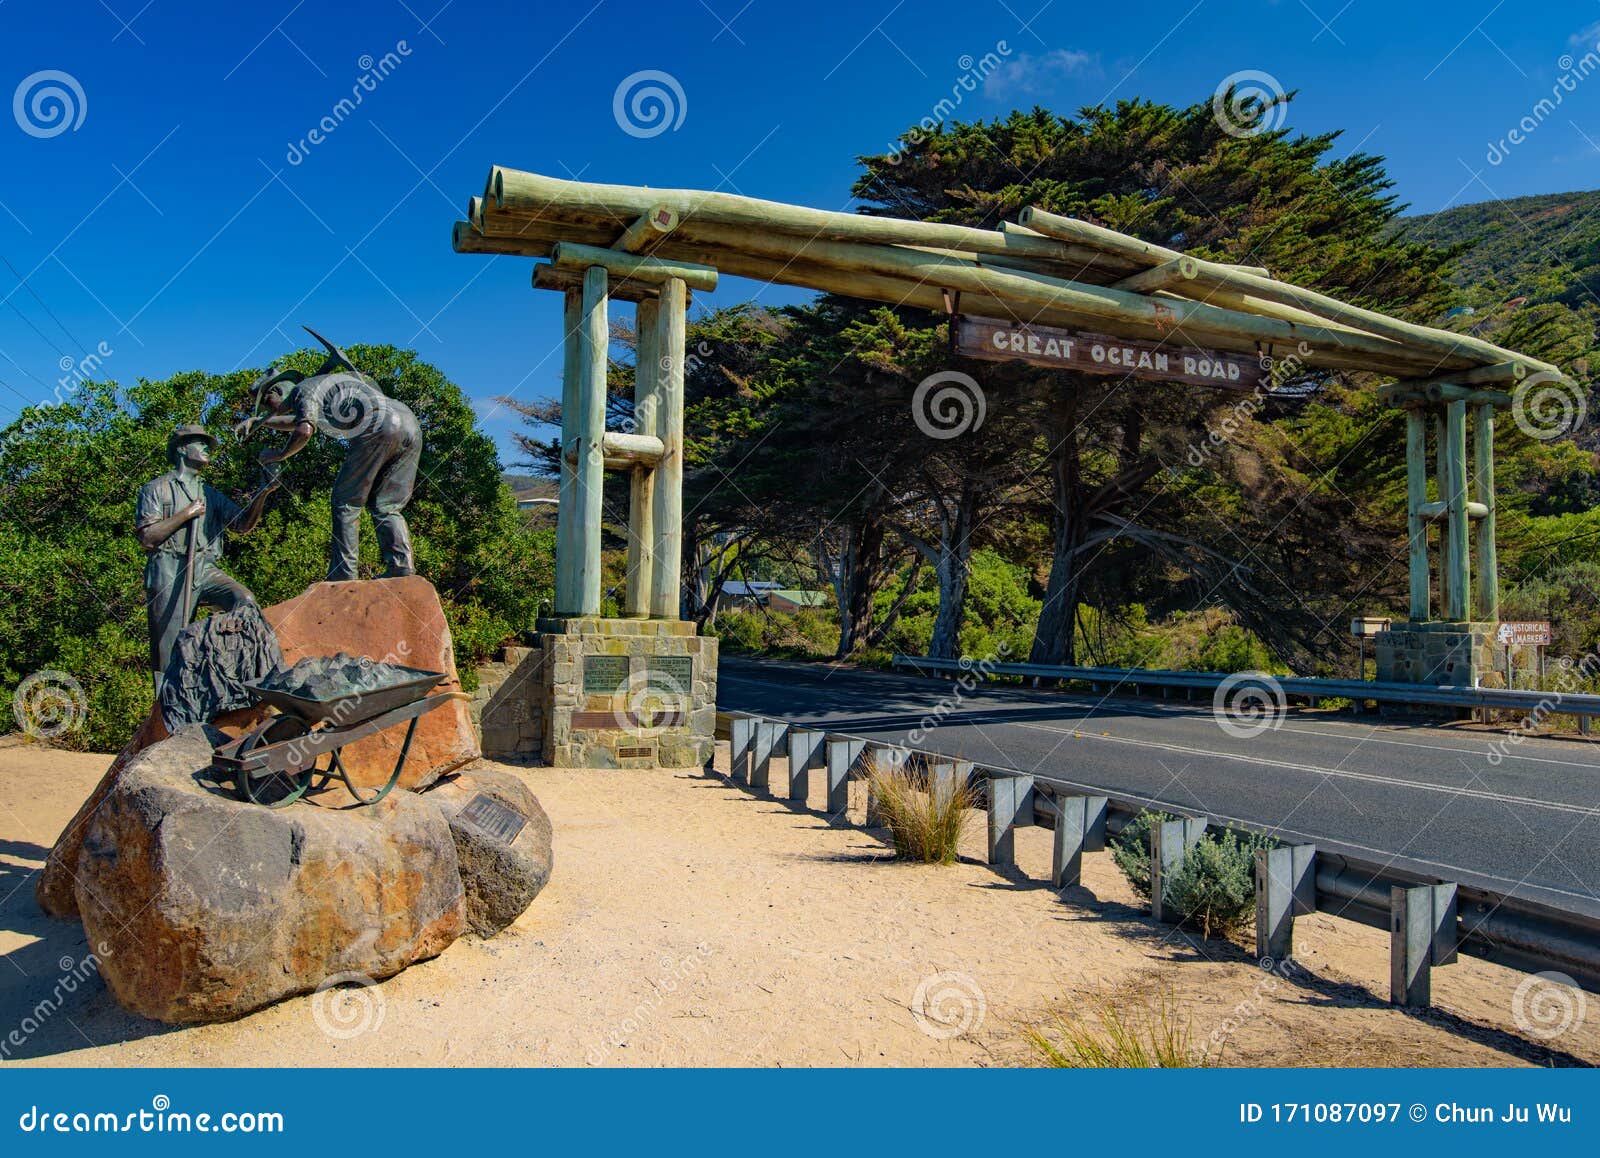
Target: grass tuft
point(926, 819)
point(1106, 1034)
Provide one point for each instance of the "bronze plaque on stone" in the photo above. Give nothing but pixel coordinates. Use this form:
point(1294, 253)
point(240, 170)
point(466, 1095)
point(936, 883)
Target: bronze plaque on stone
point(492, 817)
point(671, 673)
point(604, 675)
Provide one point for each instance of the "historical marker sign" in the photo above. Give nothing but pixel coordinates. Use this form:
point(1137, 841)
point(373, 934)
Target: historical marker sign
point(1098, 354)
point(604, 675)
point(1523, 633)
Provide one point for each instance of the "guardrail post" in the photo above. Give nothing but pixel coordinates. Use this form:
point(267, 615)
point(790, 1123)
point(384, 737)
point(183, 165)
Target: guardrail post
point(1010, 806)
point(1170, 841)
point(1080, 828)
point(1422, 934)
point(843, 752)
point(805, 753)
point(768, 735)
point(741, 737)
point(1286, 888)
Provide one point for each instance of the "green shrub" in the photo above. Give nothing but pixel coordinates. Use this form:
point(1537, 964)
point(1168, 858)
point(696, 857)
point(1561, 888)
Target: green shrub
point(925, 819)
point(794, 634)
point(1213, 889)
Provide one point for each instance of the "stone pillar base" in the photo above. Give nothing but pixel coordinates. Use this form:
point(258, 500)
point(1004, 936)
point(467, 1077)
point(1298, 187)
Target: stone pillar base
point(1438, 653)
point(626, 693)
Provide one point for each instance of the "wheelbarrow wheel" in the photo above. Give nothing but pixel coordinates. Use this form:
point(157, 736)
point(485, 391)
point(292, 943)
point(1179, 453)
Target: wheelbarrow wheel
point(274, 789)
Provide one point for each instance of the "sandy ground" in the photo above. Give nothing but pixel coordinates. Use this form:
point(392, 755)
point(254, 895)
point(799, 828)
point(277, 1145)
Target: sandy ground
point(689, 922)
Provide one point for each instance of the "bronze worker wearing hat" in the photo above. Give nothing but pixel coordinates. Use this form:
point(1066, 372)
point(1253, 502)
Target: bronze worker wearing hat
point(181, 521)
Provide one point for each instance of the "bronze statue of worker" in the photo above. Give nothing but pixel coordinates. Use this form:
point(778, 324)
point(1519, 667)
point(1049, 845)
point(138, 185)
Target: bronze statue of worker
point(180, 521)
point(383, 447)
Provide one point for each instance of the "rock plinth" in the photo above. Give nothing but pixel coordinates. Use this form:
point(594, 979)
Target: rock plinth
point(203, 907)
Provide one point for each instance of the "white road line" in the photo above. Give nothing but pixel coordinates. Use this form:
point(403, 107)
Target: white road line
point(1318, 770)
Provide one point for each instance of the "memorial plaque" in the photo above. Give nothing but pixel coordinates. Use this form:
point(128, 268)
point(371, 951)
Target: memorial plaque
point(671, 673)
point(604, 675)
point(490, 816)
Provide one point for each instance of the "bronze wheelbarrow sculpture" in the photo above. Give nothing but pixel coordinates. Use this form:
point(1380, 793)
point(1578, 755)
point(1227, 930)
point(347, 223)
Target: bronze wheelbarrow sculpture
point(275, 764)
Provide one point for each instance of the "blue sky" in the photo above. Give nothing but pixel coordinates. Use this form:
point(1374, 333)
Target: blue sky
point(180, 218)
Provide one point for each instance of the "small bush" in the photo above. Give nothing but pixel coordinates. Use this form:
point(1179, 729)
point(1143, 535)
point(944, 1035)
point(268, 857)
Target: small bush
point(1213, 889)
point(925, 819)
point(1105, 1034)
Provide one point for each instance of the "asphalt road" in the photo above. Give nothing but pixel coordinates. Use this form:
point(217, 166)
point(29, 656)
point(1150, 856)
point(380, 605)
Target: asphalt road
point(1427, 796)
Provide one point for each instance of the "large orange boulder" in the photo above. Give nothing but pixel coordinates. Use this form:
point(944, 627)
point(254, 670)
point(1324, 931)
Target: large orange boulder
point(399, 621)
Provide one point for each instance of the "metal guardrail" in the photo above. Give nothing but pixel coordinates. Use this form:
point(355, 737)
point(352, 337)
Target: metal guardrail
point(1580, 704)
point(1430, 920)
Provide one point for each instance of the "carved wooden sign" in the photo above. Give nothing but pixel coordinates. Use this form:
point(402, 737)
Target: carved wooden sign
point(1001, 341)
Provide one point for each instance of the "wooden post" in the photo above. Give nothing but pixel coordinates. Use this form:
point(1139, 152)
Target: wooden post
point(594, 338)
point(1457, 559)
point(1080, 828)
point(667, 499)
point(1441, 450)
point(1286, 888)
point(568, 540)
point(1488, 601)
point(1416, 526)
point(641, 491)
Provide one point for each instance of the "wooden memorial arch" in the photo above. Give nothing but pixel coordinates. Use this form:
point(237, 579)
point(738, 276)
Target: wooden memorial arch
point(1047, 289)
